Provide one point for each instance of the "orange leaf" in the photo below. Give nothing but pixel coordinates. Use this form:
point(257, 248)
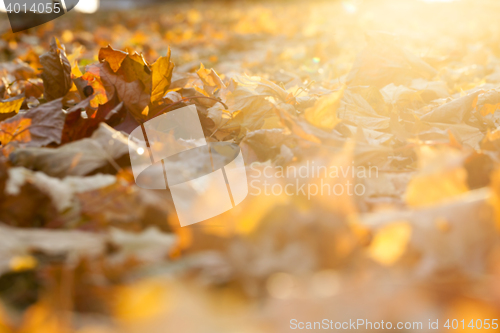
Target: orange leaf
point(162, 77)
point(17, 130)
point(113, 57)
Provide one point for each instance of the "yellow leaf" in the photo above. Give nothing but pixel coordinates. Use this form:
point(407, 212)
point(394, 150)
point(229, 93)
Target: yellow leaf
point(324, 112)
point(75, 70)
point(162, 77)
point(11, 105)
point(201, 91)
point(390, 242)
point(209, 77)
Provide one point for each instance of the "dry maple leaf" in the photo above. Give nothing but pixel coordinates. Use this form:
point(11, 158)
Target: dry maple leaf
point(355, 109)
point(100, 94)
point(56, 73)
point(129, 87)
point(47, 122)
point(112, 56)
point(78, 158)
point(211, 81)
point(161, 77)
point(77, 127)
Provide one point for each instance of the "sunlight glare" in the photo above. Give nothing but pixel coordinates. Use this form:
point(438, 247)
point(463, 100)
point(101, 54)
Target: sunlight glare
point(87, 6)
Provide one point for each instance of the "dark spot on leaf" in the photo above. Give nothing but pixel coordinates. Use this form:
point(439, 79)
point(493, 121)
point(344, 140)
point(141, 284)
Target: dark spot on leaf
point(88, 91)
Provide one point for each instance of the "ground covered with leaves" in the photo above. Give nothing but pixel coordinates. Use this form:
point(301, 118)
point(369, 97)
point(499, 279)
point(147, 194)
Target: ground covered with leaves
point(409, 88)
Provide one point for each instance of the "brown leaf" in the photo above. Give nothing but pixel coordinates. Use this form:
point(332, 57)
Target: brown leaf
point(97, 153)
point(56, 73)
point(123, 204)
point(47, 122)
point(58, 197)
point(77, 127)
point(22, 203)
point(126, 83)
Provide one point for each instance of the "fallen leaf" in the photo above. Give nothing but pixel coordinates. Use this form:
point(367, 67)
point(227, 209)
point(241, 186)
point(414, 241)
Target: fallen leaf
point(56, 73)
point(456, 111)
point(383, 62)
point(161, 77)
point(150, 245)
point(112, 56)
point(19, 242)
point(324, 112)
point(15, 130)
point(45, 124)
point(10, 107)
point(78, 158)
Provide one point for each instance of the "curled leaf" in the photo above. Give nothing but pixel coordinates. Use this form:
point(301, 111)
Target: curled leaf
point(56, 73)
